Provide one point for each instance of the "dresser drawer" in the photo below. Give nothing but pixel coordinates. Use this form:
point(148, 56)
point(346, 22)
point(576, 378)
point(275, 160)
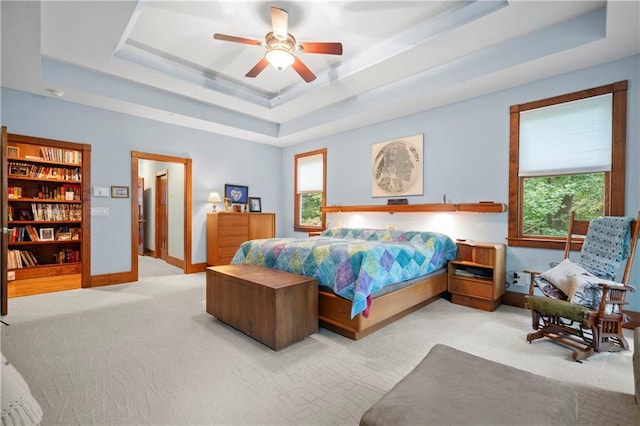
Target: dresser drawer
point(471, 287)
point(227, 220)
point(234, 230)
point(232, 240)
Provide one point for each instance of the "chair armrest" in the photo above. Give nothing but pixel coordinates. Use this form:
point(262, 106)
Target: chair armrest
point(532, 278)
point(612, 295)
point(616, 287)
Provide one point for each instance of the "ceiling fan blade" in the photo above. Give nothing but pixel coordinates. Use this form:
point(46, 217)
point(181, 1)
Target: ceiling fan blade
point(279, 22)
point(257, 69)
point(321, 47)
point(235, 39)
point(302, 69)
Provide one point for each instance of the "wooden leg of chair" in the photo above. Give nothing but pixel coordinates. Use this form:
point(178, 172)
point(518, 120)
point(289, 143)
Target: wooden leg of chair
point(623, 343)
point(579, 355)
point(614, 344)
point(596, 337)
point(533, 336)
point(535, 319)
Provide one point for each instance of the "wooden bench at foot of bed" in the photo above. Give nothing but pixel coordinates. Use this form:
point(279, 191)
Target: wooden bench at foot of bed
point(334, 312)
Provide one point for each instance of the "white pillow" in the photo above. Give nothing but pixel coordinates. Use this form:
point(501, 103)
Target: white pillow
point(561, 274)
point(586, 292)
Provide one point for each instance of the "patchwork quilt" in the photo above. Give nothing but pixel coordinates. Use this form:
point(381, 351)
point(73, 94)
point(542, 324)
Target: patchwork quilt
point(353, 262)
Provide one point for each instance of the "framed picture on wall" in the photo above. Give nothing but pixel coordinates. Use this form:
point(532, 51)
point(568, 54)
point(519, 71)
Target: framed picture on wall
point(255, 204)
point(119, 192)
point(237, 194)
point(397, 167)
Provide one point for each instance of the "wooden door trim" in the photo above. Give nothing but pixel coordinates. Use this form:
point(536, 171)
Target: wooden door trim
point(4, 237)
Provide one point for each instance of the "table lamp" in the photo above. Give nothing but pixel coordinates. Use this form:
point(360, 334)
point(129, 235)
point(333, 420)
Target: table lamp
point(214, 197)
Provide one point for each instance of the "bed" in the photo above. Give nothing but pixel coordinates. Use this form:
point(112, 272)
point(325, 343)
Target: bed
point(367, 277)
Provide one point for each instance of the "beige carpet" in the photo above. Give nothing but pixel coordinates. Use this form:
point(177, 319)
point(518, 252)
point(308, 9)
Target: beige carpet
point(148, 353)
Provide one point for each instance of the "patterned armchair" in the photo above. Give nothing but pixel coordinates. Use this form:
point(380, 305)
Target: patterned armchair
point(580, 305)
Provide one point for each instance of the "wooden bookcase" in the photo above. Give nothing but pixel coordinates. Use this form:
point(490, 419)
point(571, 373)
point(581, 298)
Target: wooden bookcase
point(477, 275)
point(48, 215)
point(227, 230)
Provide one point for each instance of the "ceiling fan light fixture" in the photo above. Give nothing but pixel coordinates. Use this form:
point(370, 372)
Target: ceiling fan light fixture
point(279, 58)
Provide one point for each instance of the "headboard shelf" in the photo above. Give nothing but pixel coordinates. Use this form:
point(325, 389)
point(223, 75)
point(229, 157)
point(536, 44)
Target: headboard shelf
point(481, 207)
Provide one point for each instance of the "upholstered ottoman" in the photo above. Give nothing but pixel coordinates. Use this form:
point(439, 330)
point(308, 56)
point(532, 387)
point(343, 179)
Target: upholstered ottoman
point(453, 387)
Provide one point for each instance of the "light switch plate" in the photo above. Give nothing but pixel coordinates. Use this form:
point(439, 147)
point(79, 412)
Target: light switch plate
point(99, 211)
point(100, 191)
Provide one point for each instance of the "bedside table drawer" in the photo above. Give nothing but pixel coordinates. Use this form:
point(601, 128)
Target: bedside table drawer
point(470, 287)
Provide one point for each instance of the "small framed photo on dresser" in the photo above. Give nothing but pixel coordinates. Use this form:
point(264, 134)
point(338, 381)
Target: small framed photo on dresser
point(255, 204)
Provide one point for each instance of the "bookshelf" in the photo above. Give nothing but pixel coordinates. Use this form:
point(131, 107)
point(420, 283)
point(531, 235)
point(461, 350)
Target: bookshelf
point(48, 215)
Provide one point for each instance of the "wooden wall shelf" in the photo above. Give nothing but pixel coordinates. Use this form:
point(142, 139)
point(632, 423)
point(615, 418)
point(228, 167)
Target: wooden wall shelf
point(483, 207)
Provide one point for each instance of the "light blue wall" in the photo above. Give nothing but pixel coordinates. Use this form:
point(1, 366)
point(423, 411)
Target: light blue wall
point(466, 157)
point(216, 160)
point(466, 149)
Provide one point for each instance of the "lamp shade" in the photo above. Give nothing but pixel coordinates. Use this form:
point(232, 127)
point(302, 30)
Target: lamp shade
point(214, 197)
point(279, 58)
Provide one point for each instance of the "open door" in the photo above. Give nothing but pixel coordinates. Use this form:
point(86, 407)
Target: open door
point(162, 216)
point(5, 231)
point(141, 218)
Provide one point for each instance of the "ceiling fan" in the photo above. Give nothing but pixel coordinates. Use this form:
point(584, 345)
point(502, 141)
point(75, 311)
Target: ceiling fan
point(281, 47)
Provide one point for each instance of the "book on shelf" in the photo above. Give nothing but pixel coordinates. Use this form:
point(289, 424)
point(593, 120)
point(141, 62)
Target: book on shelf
point(17, 234)
point(60, 155)
point(26, 260)
point(33, 258)
point(18, 259)
point(66, 256)
point(33, 234)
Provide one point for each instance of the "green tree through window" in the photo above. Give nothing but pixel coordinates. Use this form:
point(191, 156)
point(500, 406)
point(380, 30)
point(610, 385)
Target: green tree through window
point(548, 201)
point(310, 209)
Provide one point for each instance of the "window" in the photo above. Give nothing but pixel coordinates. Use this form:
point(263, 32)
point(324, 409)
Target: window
point(566, 153)
point(310, 190)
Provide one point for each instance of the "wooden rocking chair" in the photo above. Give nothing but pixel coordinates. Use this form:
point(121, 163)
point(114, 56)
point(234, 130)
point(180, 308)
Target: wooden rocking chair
point(586, 329)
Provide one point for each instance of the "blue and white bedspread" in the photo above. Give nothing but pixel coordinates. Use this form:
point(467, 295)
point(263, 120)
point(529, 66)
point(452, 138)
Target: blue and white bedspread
point(353, 262)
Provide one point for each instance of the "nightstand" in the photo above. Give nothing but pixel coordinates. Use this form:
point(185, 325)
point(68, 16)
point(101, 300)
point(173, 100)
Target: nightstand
point(477, 275)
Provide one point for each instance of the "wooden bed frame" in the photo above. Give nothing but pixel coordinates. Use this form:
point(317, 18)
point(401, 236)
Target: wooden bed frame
point(334, 312)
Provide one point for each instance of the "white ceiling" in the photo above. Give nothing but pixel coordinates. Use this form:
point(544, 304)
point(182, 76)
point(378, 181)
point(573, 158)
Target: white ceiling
point(157, 59)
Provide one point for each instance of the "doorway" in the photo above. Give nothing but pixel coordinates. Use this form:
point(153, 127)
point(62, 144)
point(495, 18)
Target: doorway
point(144, 209)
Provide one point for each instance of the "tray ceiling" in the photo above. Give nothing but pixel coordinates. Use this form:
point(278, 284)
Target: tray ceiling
point(158, 59)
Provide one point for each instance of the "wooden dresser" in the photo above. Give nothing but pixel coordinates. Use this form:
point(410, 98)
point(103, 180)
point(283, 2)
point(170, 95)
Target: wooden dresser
point(227, 230)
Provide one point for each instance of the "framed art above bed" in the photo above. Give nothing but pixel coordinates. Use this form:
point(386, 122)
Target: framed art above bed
point(397, 167)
